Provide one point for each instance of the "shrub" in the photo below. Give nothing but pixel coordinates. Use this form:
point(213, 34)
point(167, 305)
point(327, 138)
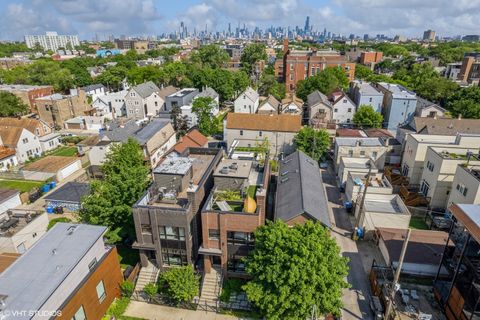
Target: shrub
point(230, 286)
point(52, 222)
point(127, 288)
point(150, 290)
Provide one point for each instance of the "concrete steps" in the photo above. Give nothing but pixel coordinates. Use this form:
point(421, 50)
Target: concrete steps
point(147, 275)
point(211, 288)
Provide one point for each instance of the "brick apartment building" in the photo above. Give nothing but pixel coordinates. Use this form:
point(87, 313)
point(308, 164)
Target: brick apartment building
point(27, 93)
point(369, 58)
point(297, 65)
point(55, 109)
point(228, 225)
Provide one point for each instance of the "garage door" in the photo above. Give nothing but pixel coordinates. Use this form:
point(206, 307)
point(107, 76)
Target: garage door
point(65, 172)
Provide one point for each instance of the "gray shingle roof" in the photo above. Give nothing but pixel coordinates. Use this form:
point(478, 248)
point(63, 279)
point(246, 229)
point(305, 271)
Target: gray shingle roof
point(70, 192)
point(251, 94)
point(141, 133)
point(300, 190)
point(93, 87)
point(208, 92)
point(316, 97)
point(146, 89)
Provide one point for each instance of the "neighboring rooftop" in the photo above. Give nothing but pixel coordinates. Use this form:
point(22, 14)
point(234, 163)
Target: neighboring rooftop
point(445, 126)
point(367, 89)
point(453, 153)
point(469, 216)
point(208, 93)
point(10, 135)
point(349, 133)
point(26, 123)
point(233, 168)
point(384, 203)
point(175, 165)
point(424, 103)
point(356, 142)
point(21, 87)
point(317, 97)
point(398, 91)
point(424, 246)
point(146, 89)
point(51, 164)
point(250, 94)
point(30, 281)
point(120, 131)
point(264, 122)
point(166, 91)
point(70, 192)
point(6, 194)
point(6, 152)
point(193, 139)
point(300, 190)
point(358, 163)
point(183, 92)
point(92, 87)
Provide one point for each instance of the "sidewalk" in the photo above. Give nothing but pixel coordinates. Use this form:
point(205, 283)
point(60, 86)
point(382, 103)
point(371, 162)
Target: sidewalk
point(149, 311)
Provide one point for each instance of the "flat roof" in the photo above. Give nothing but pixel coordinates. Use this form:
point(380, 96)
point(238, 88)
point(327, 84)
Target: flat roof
point(469, 216)
point(363, 142)
point(359, 163)
point(174, 165)
point(30, 281)
point(384, 203)
point(233, 168)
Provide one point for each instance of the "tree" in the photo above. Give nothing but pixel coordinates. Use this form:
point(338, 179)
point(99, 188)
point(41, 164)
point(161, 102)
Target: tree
point(294, 269)
point(179, 122)
point(127, 287)
point(179, 284)
point(367, 117)
point(315, 143)
point(203, 108)
point(437, 90)
point(11, 105)
point(251, 54)
point(269, 85)
point(362, 72)
point(466, 102)
point(126, 179)
point(210, 56)
point(112, 77)
point(325, 81)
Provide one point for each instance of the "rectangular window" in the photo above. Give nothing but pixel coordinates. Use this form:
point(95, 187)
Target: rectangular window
point(374, 155)
point(260, 133)
point(430, 166)
point(213, 234)
point(80, 314)
point(25, 140)
point(349, 109)
point(147, 229)
point(350, 153)
point(362, 153)
point(101, 292)
point(335, 110)
point(424, 188)
point(241, 132)
point(240, 238)
point(172, 233)
point(291, 76)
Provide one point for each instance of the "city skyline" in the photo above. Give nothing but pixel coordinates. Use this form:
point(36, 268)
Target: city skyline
point(101, 18)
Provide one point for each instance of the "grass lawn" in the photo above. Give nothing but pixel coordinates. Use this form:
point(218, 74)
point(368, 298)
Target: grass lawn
point(127, 256)
point(65, 152)
point(20, 185)
point(418, 223)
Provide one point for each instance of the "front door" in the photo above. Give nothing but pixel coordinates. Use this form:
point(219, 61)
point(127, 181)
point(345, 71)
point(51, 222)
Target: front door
point(216, 261)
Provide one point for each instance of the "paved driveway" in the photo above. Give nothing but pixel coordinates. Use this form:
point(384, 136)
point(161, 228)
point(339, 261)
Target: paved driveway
point(355, 299)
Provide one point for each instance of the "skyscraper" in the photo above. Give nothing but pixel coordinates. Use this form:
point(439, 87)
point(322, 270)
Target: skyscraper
point(307, 25)
point(429, 35)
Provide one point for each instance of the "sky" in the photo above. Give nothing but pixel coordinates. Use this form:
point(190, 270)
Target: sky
point(88, 18)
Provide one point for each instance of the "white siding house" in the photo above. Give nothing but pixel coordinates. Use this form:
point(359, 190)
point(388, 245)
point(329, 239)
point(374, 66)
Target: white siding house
point(247, 102)
point(343, 107)
point(143, 101)
point(25, 143)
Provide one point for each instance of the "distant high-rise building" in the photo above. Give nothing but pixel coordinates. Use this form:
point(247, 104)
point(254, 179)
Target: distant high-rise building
point(429, 35)
point(52, 41)
point(365, 37)
point(307, 25)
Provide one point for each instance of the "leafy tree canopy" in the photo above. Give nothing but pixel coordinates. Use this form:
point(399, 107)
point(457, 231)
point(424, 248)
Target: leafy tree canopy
point(126, 178)
point(366, 117)
point(210, 56)
point(251, 54)
point(179, 284)
point(203, 108)
point(294, 269)
point(466, 102)
point(325, 81)
point(11, 105)
point(315, 143)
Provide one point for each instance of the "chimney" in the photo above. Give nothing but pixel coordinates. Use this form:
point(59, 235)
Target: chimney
point(459, 116)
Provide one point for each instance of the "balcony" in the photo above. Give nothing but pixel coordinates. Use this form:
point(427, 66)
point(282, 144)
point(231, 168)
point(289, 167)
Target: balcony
point(412, 196)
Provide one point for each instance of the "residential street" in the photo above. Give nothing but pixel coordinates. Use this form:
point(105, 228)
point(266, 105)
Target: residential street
point(356, 298)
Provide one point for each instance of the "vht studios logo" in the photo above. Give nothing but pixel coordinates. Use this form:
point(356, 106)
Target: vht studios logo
point(30, 313)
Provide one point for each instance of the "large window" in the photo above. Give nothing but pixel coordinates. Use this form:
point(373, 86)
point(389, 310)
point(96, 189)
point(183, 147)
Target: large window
point(80, 314)
point(172, 233)
point(174, 257)
point(235, 264)
point(240, 238)
point(424, 188)
point(101, 291)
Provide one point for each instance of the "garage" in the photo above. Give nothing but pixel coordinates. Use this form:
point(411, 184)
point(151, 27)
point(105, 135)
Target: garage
point(53, 166)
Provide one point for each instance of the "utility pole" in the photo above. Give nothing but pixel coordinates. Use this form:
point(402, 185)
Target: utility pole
point(360, 215)
point(397, 275)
